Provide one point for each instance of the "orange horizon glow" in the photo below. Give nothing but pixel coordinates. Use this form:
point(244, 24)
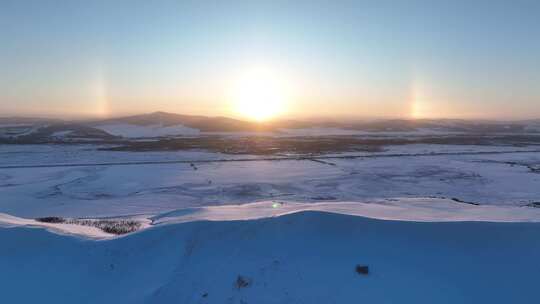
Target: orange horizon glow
point(264, 93)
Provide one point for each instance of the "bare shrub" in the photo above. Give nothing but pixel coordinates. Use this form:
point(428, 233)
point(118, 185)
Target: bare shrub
point(242, 282)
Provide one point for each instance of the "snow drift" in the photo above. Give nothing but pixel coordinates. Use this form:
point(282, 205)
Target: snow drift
point(305, 257)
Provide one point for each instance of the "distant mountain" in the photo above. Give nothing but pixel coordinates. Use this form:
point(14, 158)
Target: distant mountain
point(416, 125)
point(532, 125)
point(18, 127)
point(6, 121)
point(201, 123)
point(448, 125)
point(57, 131)
point(162, 124)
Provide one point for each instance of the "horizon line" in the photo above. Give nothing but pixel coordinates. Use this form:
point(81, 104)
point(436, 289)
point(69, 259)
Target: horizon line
point(67, 118)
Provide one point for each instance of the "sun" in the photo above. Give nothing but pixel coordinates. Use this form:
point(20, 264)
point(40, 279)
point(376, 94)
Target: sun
point(259, 94)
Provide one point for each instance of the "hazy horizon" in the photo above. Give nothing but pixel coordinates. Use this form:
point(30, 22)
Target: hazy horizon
point(345, 119)
point(261, 61)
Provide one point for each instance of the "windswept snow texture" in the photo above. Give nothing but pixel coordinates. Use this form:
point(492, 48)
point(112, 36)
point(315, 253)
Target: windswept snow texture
point(147, 131)
point(307, 257)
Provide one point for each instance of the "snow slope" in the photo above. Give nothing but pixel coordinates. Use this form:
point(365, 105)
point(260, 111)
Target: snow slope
point(398, 209)
point(307, 257)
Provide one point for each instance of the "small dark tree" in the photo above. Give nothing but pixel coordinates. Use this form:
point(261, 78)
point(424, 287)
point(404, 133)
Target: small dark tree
point(362, 269)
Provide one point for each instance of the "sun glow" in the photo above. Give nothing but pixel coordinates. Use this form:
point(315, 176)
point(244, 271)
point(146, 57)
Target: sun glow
point(259, 95)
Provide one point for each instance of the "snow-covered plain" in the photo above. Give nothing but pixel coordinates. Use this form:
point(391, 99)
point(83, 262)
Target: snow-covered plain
point(109, 190)
point(434, 223)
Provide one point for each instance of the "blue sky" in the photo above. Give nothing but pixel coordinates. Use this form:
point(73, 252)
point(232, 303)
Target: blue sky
point(471, 59)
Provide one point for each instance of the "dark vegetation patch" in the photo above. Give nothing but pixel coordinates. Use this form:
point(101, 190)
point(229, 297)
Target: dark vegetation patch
point(111, 226)
point(316, 145)
point(51, 219)
point(254, 145)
